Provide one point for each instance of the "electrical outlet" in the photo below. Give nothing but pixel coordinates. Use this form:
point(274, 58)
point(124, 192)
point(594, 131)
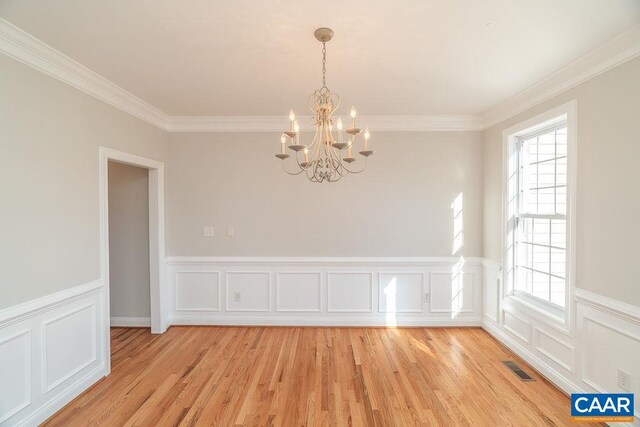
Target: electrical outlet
point(624, 380)
point(208, 231)
point(237, 297)
point(426, 297)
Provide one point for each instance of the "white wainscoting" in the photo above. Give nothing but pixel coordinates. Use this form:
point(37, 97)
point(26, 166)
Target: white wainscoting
point(584, 357)
point(325, 291)
point(51, 349)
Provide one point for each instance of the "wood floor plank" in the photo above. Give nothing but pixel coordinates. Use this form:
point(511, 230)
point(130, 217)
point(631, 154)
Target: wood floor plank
point(193, 376)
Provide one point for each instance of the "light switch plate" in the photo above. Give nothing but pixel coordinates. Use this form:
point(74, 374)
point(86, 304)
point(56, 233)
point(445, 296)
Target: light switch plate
point(230, 231)
point(208, 231)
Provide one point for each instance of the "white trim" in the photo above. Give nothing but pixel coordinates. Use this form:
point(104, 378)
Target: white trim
point(563, 383)
point(424, 123)
point(131, 322)
point(615, 52)
point(298, 310)
point(199, 309)
point(537, 333)
point(450, 310)
point(27, 49)
point(157, 282)
point(348, 310)
point(28, 380)
point(46, 387)
point(325, 321)
point(526, 338)
point(422, 275)
point(20, 312)
point(616, 308)
point(361, 261)
point(228, 298)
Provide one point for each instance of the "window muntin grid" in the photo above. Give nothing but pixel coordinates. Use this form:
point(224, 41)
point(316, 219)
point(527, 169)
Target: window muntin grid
point(541, 225)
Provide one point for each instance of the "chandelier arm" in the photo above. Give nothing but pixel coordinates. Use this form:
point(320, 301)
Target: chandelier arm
point(291, 173)
point(337, 104)
point(361, 170)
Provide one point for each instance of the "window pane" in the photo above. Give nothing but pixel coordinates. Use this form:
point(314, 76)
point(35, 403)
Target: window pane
point(557, 291)
point(558, 262)
point(558, 233)
point(540, 286)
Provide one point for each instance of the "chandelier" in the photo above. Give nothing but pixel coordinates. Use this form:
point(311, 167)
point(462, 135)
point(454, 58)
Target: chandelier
point(325, 158)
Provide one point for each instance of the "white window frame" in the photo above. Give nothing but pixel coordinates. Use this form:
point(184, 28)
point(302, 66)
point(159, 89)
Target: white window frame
point(548, 313)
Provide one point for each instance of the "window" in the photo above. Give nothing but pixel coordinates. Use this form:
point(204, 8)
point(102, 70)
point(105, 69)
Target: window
point(538, 163)
point(541, 222)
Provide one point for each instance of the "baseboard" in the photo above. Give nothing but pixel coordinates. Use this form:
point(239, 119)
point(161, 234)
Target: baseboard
point(324, 321)
point(131, 322)
point(563, 383)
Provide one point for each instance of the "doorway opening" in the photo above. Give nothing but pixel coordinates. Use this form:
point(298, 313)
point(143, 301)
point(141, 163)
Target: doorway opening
point(150, 272)
point(129, 287)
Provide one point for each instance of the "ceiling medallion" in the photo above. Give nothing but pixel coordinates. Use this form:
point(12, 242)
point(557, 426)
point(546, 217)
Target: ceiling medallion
point(325, 158)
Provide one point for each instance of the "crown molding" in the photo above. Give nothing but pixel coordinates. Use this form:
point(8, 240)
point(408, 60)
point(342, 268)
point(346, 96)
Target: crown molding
point(27, 49)
point(281, 123)
point(615, 52)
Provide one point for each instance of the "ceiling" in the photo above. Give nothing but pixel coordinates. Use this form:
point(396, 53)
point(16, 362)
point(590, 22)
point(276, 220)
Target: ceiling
point(252, 58)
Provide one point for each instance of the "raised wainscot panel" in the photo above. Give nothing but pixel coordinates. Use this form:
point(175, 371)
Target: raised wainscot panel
point(298, 291)
point(197, 291)
point(451, 292)
point(15, 373)
point(401, 292)
point(491, 296)
point(607, 347)
point(248, 291)
point(350, 292)
point(554, 348)
point(69, 343)
point(517, 326)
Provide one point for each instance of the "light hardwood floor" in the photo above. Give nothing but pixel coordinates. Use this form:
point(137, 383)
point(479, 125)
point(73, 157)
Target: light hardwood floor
point(313, 376)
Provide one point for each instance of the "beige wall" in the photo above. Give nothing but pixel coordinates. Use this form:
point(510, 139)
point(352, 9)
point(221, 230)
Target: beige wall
point(129, 287)
point(49, 214)
point(400, 206)
point(608, 179)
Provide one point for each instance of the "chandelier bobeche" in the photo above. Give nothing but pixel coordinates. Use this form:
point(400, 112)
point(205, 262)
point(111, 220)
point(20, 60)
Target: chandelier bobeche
point(324, 158)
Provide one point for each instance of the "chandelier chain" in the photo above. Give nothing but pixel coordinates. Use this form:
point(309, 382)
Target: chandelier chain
point(324, 64)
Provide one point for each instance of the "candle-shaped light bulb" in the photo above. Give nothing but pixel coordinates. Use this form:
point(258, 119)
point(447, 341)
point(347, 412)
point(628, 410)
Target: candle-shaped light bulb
point(353, 117)
point(283, 139)
point(339, 123)
point(296, 129)
point(367, 135)
point(292, 118)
